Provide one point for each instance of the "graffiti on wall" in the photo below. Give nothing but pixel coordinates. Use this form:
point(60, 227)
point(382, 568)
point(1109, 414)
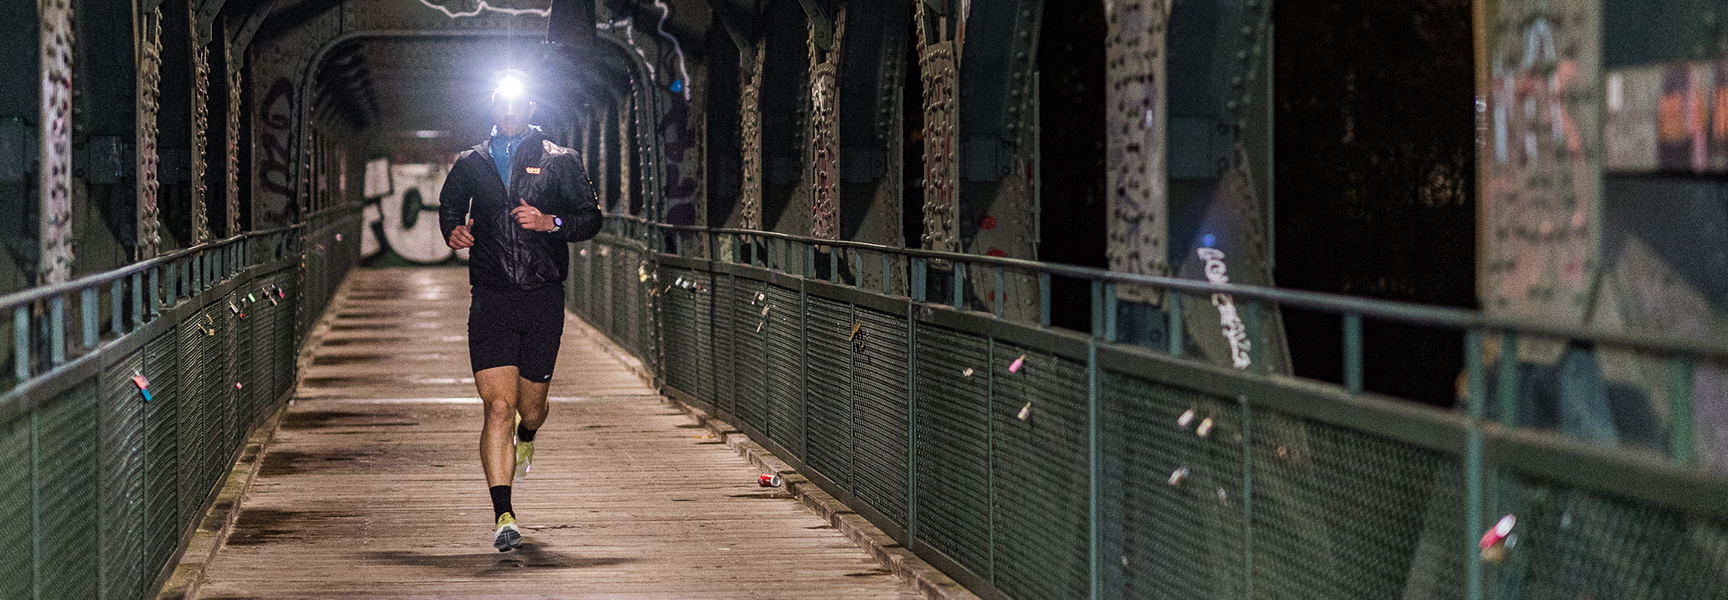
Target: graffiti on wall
point(275, 192)
point(683, 164)
point(403, 215)
point(1542, 177)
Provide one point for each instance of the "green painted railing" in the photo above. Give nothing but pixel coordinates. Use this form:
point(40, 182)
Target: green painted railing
point(131, 393)
point(1033, 462)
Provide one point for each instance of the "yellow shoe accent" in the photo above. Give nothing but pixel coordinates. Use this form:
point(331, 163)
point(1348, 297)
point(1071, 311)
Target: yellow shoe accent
point(524, 459)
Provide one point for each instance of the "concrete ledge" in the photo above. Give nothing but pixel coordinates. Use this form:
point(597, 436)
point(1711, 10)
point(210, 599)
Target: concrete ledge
point(895, 558)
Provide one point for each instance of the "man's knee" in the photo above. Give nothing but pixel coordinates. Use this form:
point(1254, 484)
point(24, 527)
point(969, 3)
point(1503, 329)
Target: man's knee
point(500, 410)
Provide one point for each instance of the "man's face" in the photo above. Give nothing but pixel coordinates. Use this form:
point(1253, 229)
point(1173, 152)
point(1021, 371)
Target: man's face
point(511, 115)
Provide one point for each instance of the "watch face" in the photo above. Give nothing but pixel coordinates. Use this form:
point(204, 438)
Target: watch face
point(557, 221)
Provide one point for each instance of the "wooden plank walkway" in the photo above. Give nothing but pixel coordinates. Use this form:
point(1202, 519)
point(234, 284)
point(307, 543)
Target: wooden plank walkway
point(372, 486)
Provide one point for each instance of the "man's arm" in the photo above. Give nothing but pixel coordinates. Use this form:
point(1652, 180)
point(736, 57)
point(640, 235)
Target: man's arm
point(580, 210)
point(453, 202)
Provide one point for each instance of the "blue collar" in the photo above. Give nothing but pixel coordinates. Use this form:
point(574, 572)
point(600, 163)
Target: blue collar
point(503, 153)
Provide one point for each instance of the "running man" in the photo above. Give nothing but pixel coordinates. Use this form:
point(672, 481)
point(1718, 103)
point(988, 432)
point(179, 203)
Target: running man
point(525, 198)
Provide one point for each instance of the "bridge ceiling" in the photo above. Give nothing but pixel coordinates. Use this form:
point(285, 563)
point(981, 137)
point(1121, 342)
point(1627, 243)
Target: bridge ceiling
point(432, 83)
point(415, 65)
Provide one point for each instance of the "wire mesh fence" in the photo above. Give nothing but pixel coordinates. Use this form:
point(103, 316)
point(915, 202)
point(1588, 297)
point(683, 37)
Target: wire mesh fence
point(113, 442)
point(1032, 462)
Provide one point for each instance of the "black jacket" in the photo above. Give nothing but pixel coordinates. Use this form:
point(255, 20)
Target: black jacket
point(506, 256)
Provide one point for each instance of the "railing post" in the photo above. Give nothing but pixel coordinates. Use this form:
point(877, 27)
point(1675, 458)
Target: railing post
point(959, 285)
point(1110, 312)
point(1247, 496)
point(154, 289)
point(1043, 299)
point(21, 343)
point(1097, 308)
point(170, 285)
point(138, 299)
point(1353, 352)
point(996, 295)
point(1680, 425)
point(1257, 336)
point(920, 279)
point(1473, 477)
point(912, 412)
point(1094, 474)
point(1173, 300)
point(57, 329)
point(834, 265)
point(1508, 379)
point(887, 274)
point(116, 301)
point(89, 306)
point(809, 261)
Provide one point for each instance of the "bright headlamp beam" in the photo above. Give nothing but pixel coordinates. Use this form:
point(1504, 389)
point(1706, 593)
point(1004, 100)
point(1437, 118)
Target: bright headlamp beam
point(509, 88)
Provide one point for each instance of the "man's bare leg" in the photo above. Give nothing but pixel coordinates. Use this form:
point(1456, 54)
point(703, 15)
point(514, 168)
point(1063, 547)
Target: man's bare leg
point(531, 402)
point(499, 390)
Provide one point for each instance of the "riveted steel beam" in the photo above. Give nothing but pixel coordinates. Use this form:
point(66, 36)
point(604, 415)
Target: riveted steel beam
point(1137, 220)
point(824, 138)
point(740, 36)
point(56, 151)
point(148, 134)
point(872, 65)
point(242, 37)
point(822, 28)
point(205, 16)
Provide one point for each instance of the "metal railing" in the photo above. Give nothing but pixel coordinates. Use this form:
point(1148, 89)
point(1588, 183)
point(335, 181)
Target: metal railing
point(133, 390)
point(1294, 463)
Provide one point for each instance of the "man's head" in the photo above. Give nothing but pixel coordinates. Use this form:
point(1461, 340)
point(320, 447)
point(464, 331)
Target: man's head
point(511, 106)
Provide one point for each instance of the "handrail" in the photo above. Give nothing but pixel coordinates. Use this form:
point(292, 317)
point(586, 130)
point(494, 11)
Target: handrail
point(200, 266)
point(14, 299)
point(1405, 312)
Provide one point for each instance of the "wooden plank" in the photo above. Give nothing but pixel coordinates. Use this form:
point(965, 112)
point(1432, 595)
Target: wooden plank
point(372, 487)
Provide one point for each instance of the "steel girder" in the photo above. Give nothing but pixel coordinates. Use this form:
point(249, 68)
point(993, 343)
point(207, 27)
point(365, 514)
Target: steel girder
point(1138, 126)
point(872, 65)
point(55, 233)
point(149, 104)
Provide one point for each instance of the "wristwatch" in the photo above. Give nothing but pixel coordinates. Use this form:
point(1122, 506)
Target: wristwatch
point(557, 223)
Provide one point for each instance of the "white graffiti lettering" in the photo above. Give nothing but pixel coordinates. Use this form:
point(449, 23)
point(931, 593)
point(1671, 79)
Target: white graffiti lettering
point(1234, 330)
point(483, 7)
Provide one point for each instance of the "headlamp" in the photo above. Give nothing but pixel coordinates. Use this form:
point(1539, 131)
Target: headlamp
point(510, 88)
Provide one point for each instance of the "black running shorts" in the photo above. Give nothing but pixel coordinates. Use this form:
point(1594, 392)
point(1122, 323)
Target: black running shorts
point(517, 328)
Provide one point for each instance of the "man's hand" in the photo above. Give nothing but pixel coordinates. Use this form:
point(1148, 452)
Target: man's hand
point(531, 218)
point(461, 237)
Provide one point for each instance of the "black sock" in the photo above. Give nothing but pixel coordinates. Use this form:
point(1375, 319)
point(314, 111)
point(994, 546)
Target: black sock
point(524, 434)
point(500, 501)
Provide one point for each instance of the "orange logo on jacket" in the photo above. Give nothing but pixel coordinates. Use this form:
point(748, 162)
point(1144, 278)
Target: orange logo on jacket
point(533, 170)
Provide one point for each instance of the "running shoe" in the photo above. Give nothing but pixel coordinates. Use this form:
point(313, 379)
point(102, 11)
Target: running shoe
point(524, 454)
point(524, 459)
point(508, 537)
